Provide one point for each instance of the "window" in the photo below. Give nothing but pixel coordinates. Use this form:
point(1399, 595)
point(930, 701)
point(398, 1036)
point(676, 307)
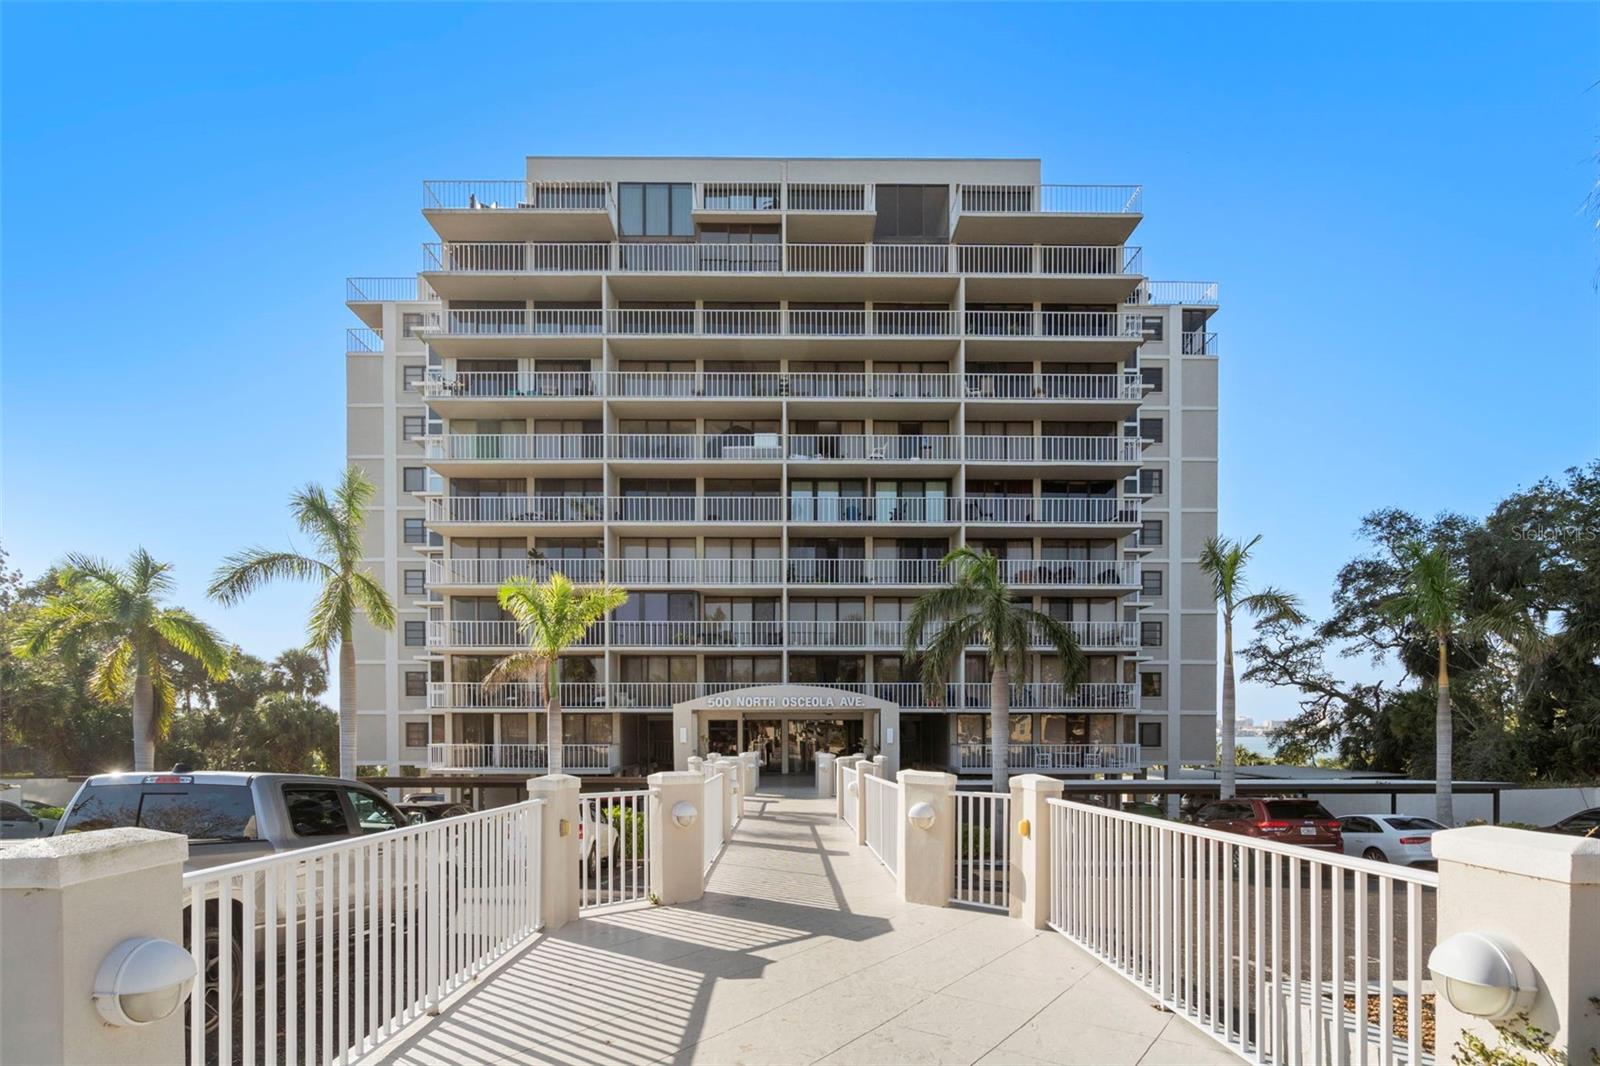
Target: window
point(436, 728)
point(372, 814)
point(1150, 684)
point(1152, 326)
point(912, 213)
point(410, 322)
point(411, 377)
point(1153, 429)
point(416, 734)
point(1150, 482)
point(414, 583)
point(315, 812)
point(199, 812)
point(655, 209)
point(1149, 734)
point(412, 427)
point(416, 685)
point(1149, 634)
point(415, 531)
point(416, 634)
point(1151, 376)
point(414, 478)
point(1150, 532)
point(1150, 582)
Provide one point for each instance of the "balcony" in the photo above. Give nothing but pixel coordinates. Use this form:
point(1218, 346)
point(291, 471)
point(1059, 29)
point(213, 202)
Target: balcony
point(1104, 214)
point(1050, 696)
point(1115, 451)
point(495, 634)
point(1098, 573)
point(516, 510)
point(873, 447)
point(874, 633)
point(696, 633)
point(696, 572)
point(363, 340)
point(492, 573)
point(512, 695)
point(489, 210)
point(1199, 342)
point(523, 758)
point(1176, 293)
point(1049, 758)
point(1050, 510)
point(366, 296)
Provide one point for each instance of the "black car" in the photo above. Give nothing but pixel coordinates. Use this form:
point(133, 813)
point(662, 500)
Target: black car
point(1583, 824)
point(432, 810)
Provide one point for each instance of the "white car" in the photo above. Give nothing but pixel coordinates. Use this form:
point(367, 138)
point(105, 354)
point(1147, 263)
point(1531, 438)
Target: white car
point(1406, 839)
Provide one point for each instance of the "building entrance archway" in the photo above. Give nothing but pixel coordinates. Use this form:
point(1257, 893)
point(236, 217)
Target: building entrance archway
point(787, 724)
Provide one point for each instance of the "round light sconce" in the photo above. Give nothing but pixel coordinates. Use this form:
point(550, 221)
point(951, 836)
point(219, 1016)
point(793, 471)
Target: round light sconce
point(684, 814)
point(922, 815)
point(143, 980)
point(1483, 975)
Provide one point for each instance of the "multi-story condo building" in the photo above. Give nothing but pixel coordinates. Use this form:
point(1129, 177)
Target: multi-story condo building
point(767, 396)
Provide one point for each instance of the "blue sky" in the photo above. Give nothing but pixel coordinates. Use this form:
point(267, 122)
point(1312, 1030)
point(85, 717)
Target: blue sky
point(1389, 195)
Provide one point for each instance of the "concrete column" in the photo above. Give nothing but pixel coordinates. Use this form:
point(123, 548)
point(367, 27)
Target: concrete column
point(869, 733)
point(683, 737)
point(889, 739)
point(558, 872)
point(927, 857)
point(678, 855)
point(65, 902)
point(1030, 852)
point(752, 771)
point(864, 768)
point(826, 772)
point(729, 770)
point(696, 765)
point(1541, 892)
point(841, 764)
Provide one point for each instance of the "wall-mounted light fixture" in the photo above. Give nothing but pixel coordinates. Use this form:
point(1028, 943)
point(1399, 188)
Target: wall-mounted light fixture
point(143, 980)
point(1483, 975)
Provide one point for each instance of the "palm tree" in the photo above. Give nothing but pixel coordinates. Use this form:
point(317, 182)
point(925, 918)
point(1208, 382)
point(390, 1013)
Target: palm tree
point(347, 589)
point(115, 614)
point(301, 671)
point(1223, 560)
point(555, 615)
point(1433, 600)
point(978, 607)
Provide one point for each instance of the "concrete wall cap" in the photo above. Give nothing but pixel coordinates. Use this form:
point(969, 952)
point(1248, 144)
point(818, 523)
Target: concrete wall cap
point(552, 783)
point(927, 777)
point(1546, 856)
point(1038, 783)
point(676, 777)
point(58, 862)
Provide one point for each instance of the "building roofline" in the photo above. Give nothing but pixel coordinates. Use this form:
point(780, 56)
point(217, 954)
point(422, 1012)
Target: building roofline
point(801, 158)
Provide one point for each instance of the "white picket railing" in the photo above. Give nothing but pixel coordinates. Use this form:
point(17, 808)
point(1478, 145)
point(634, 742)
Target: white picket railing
point(983, 850)
point(1088, 758)
point(1275, 951)
point(849, 783)
point(322, 953)
point(883, 820)
point(711, 815)
point(614, 848)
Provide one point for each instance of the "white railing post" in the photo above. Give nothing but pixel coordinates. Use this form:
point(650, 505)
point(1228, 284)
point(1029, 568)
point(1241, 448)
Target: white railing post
point(65, 903)
point(840, 765)
point(1030, 850)
point(865, 768)
point(677, 851)
point(558, 876)
point(750, 767)
point(925, 855)
point(726, 768)
point(825, 774)
point(1541, 893)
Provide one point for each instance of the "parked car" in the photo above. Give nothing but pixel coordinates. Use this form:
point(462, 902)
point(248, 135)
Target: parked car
point(1583, 824)
point(19, 823)
point(1287, 821)
point(1405, 839)
point(228, 816)
point(426, 797)
point(45, 812)
point(432, 810)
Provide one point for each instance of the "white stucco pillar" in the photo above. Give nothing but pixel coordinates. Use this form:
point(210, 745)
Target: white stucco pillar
point(65, 902)
point(864, 768)
point(1540, 892)
point(840, 765)
point(558, 872)
point(678, 857)
point(927, 856)
point(825, 774)
point(728, 769)
point(889, 737)
point(1029, 875)
point(683, 736)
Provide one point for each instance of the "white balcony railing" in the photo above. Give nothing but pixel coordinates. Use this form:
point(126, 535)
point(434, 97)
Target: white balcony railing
point(1055, 386)
point(875, 446)
point(1199, 342)
point(697, 633)
point(444, 572)
point(1181, 293)
point(1053, 449)
point(1088, 572)
point(515, 447)
point(1078, 325)
point(385, 290)
point(510, 695)
point(891, 633)
point(516, 257)
point(1048, 696)
point(829, 196)
point(852, 509)
point(517, 509)
point(629, 694)
point(442, 633)
point(866, 572)
point(694, 572)
point(696, 509)
point(1069, 510)
point(1090, 758)
point(738, 196)
point(500, 384)
point(575, 758)
point(988, 199)
point(516, 195)
point(732, 447)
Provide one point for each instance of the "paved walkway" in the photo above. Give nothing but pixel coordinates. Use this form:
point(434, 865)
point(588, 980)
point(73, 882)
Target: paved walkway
point(801, 953)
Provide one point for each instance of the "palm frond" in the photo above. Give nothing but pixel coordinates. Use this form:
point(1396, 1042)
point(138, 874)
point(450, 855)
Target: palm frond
point(108, 682)
point(518, 666)
point(944, 651)
point(243, 572)
point(1059, 636)
point(194, 638)
point(1274, 605)
point(371, 598)
point(333, 615)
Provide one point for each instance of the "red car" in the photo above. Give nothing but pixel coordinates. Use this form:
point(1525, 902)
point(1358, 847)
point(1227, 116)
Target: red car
point(1288, 821)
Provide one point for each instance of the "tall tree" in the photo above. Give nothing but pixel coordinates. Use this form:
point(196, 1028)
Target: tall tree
point(1223, 560)
point(555, 615)
point(347, 590)
point(1433, 601)
point(300, 671)
point(979, 608)
point(119, 612)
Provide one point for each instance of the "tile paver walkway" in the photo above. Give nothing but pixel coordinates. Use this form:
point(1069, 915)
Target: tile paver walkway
point(801, 953)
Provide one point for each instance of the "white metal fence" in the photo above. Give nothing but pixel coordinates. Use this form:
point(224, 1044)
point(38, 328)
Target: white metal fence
point(711, 814)
point(849, 782)
point(983, 850)
point(322, 953)
point(613, 848)
point(1280, 953)
point(883, 820)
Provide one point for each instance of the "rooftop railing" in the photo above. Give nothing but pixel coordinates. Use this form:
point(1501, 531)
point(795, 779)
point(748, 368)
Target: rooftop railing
point(1199, 342)
point(989, 199)
point(362, 339)
point(1183, 293)
point(386, 290)
point(516, 195)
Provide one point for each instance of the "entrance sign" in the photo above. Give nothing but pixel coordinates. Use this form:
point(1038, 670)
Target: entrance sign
point(751, 701)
